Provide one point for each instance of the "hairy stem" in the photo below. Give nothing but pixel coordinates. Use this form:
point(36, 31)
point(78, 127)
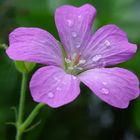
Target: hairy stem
point(20, 125)
point(31, 117)
point(21, 105)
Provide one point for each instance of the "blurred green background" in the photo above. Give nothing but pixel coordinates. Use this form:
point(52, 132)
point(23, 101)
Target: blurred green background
point(87, 118)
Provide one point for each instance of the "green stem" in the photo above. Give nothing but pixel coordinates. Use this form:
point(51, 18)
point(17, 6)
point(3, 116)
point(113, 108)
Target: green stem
point(22, 98)
point(31, 117)
point(21, 105)
point(21, 126)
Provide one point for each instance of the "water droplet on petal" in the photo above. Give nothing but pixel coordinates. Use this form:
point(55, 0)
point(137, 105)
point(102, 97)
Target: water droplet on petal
point(74, 34)
point(104, 64)
point(64, 83)
point(70, 22)
point(74, 77)
point(79, 16)
point(104, 83)
point(56, 79)
point(58, 88)
point(50, 95)
point(105, 91)
point(107, 43)
point(78, 45)
point(96, 58)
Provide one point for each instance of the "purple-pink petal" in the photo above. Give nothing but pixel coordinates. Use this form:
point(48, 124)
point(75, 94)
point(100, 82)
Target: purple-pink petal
point(115, 86)
point(75, 26)
point(108, 46)
point(52, 86)
point(34, 45)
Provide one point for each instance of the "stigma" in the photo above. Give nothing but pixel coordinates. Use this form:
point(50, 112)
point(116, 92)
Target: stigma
point(75, 63)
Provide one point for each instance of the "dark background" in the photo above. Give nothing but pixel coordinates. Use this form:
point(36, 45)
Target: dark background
point(87, 118)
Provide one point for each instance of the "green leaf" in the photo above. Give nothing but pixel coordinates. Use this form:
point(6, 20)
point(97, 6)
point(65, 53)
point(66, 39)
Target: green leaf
point(32, 126)
point(24, 67)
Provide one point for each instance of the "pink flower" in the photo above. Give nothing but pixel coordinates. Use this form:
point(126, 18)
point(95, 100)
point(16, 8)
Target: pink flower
point(87, 55)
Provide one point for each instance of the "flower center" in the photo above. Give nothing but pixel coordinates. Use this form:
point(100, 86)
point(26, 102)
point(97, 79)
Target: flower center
point(74, 64)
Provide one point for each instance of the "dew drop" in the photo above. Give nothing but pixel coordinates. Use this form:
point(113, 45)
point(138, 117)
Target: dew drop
point(105, 91)
point(79, 16)
point(50, 95)
point(74, 34)
point(56, 79)
point(104, 64)
point(74, 77)
point(96, 58)
point(107, 43)
point(104, 83)
point(64, 83)
point(58, 88)
point(70, 22)
point(78, 45)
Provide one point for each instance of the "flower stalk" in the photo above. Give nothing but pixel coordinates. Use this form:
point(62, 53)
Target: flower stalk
point(21, 105)
point(20, 125)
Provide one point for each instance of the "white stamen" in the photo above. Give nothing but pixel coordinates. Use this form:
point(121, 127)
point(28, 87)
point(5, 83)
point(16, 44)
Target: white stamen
point(79, 68)
point(74, 55)
point(70, 68)
point(82, 61)
point(67, 60)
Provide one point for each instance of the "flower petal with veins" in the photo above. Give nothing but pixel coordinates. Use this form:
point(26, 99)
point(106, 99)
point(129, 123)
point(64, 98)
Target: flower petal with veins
point(52, 86)
point(34, 45)
point(115, 86)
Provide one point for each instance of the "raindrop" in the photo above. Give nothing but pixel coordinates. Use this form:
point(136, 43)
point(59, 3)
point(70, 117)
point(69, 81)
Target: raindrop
point(104, 64)
point(50, 95)
point(104, 83)
point(74, 34)
point(78, 45)
point(107, 43)
point(74, 77)
point(70, 22)
point(64, 83)
point(96, 58)
point(105, 91)
point(56, 79)
point(79, 16)
point(58, 88)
